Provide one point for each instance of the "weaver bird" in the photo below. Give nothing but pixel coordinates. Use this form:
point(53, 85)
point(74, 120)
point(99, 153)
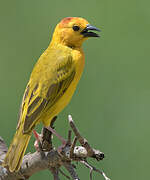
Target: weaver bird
point(52, 83)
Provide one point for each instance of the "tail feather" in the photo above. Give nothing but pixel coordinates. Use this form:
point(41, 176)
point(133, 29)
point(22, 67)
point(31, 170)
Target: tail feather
point(16, 150)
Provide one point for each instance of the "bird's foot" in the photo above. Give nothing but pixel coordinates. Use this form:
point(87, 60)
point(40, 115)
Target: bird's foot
point(64, 142)
point(56, 134)
point(38, 141)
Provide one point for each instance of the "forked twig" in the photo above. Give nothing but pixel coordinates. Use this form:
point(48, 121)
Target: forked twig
point(92, 168)
point(49, 157)
point(90, 151)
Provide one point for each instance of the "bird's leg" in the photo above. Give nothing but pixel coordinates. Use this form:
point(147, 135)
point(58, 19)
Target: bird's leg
point(64, 142)
point(37, 143)
point(56, 134)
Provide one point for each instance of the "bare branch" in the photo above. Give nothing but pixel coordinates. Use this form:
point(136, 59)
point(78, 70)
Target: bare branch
point(82, 140)
point(92, 168)
point(73, 147)
point(47, 136)
point(55, 173)
point(71, 170)
point(64, 174)
point(48, 157)
point(3, 150)
point(69, 138)
point(56, 134)
point(90, 151)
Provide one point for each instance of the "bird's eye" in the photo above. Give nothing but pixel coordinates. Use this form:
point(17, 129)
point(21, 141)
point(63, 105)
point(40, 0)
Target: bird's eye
point(76, 28)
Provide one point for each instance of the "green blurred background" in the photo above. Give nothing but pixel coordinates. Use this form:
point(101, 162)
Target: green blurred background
point(111, 104)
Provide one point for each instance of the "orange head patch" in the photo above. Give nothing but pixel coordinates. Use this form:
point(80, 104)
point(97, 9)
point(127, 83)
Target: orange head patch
point(73, 31)
point(70, 21)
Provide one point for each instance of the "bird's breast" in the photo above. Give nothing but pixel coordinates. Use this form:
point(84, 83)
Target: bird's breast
point(78, 58)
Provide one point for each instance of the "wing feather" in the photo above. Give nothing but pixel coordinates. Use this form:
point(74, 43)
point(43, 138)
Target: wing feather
point(34, 104)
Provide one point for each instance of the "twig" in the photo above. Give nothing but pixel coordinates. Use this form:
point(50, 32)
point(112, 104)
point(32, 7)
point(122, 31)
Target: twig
point(72, 147)
point(91, 152)
point(75, 130)
point(92, 168)
point(56, 134)
point(3, 150)
point(47, 136)
point(64, 174)
point(82, 140)
point(69, 138)
point(71, 170)
point(55, 173)
point(49, 157)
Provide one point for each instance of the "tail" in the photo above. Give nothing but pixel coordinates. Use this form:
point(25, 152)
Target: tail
point(14, 156)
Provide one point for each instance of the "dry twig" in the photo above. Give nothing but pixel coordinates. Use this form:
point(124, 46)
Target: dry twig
point(92, 168)
point(47, 157)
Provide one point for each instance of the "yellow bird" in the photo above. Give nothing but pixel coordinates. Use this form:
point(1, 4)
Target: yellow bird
point(52, 83)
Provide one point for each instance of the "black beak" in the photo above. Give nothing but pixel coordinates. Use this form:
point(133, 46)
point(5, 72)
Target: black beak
point(87, 32)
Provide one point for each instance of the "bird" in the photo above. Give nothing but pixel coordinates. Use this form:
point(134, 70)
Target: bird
point(51, 85)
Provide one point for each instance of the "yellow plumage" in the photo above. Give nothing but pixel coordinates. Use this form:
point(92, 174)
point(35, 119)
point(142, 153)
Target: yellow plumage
point(51, 85)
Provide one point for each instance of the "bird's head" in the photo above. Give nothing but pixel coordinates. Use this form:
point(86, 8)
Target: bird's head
point(73, 31)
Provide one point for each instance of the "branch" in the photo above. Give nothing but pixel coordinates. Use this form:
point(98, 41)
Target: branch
point(48, 157)
point(92, 168)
